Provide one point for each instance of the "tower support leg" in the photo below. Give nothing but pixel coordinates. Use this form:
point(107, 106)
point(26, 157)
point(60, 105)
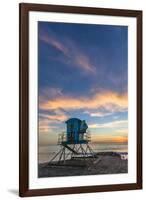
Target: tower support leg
point(75, 149)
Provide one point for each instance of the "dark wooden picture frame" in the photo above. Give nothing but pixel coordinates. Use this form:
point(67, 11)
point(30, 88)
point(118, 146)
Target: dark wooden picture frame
point(25, 8)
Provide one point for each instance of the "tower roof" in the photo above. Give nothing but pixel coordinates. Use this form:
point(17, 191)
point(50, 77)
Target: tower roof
point(73, 119)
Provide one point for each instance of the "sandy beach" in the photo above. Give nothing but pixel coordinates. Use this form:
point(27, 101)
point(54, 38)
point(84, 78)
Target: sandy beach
point(103, 163)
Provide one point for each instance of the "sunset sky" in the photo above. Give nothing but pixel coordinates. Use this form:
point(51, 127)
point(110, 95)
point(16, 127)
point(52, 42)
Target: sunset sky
point(82, 72)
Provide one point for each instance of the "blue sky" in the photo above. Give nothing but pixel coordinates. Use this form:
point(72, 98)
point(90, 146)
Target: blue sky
point(83, 73)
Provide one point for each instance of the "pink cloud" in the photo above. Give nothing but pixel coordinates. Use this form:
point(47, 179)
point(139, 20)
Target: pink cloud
point(108, 99)
point(113, 124)
point(53, 42)
point(71, 52)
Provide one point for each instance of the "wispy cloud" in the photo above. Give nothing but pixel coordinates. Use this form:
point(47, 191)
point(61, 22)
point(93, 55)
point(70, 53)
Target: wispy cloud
point(106, 110)
point(83, 62)
point(49, 122)
point(113, 124)
point(71, 52)
point(98, 113)
point(58, 116)
point(49, 93)
point(54, 42)
point(108, 99)
point(44, 126)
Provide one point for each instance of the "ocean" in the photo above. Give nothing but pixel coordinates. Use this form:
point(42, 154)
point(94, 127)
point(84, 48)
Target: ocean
point(47, 152)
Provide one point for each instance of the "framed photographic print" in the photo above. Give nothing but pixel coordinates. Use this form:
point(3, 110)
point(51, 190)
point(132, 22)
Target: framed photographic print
point(80, 99)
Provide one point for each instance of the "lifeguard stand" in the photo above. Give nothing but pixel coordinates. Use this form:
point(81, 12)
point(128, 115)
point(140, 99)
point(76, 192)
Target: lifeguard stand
point(75, 131)
point(73, 142)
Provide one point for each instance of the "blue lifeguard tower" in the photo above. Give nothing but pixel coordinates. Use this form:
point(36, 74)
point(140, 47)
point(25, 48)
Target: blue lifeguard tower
point(75, 131)
point(74, 142)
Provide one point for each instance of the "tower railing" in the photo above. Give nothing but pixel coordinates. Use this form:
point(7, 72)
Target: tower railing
point(62, 137)
point(87, 136)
